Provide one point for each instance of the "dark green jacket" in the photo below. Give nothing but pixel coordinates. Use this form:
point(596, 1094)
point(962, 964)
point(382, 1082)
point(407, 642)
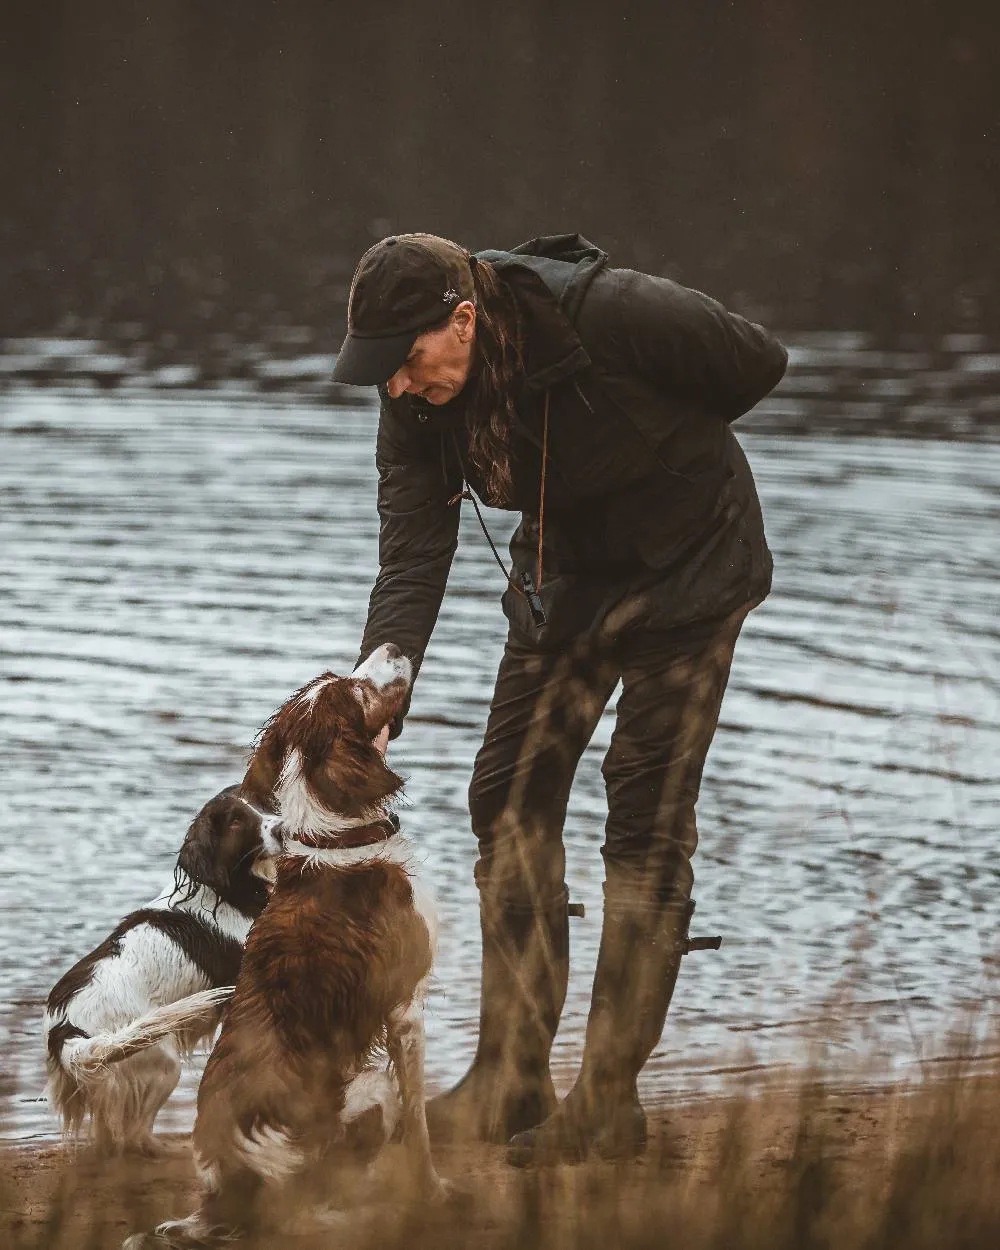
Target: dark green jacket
point(646, 486)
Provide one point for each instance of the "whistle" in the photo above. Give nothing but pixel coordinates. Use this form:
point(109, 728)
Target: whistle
point(534, 602)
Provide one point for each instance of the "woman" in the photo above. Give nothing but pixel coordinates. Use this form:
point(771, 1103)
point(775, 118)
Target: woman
point(596, 402)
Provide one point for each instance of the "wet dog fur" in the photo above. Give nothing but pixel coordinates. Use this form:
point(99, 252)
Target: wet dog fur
point(332, 982)
point(119, 1021)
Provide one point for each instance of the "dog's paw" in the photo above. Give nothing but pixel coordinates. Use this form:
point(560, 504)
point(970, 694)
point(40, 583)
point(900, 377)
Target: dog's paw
point(189, 1234)
point(151, 1147)
point(439, 1192)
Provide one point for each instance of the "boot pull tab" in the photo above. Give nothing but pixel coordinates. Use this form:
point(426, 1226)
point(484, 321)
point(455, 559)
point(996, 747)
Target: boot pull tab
point(576, 909)
point(689, 944)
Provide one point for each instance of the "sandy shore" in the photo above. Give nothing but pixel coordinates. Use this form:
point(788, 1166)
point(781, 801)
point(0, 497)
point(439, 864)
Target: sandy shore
point(833, 1158)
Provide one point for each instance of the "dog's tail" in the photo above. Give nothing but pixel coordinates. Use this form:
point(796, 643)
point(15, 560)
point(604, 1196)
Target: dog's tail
point(84, 1057)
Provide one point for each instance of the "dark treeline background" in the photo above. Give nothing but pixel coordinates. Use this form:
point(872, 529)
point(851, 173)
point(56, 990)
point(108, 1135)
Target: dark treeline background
point(193, 167)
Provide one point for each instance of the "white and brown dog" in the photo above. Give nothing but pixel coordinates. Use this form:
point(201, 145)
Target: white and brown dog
point(332, 980)
point(117, 1024)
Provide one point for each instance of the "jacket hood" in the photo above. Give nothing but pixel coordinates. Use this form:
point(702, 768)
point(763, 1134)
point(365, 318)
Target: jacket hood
point(566, 264)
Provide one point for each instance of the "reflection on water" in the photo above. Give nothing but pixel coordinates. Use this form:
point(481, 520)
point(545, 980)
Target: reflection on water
point(172, 568)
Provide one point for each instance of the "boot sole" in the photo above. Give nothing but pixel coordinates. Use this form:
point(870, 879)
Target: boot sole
point(527, 1157)
point(459, 1127)
point(605, 1146)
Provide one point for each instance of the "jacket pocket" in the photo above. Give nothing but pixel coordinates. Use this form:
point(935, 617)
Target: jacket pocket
point(573, 604)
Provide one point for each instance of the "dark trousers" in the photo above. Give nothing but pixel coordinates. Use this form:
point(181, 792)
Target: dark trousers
point(544, 711)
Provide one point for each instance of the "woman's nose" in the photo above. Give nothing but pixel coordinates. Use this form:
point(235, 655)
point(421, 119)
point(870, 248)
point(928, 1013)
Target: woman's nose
point(398, 383)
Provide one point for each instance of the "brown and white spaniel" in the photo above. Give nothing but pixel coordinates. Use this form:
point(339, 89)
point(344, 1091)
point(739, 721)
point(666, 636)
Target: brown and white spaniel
point(119, 1021)
point(332, 982)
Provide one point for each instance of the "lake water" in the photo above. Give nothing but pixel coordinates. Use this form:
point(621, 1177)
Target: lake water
point(171, 568)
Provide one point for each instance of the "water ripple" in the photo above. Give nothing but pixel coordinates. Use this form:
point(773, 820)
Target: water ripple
point(171, 568)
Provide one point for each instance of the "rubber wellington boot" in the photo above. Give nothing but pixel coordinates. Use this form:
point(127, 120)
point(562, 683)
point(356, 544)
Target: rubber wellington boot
point(524, 973)
point(642, 943)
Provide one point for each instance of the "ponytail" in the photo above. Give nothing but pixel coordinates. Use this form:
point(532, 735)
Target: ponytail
point(500, 363)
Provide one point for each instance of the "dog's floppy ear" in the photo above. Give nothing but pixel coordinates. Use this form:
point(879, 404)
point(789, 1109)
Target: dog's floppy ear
point(353, 777)
point(198, 858)
point(219, 850)
point(264, 768)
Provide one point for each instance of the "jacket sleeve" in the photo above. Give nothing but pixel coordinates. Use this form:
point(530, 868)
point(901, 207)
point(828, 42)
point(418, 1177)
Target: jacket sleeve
point(418, 534)
point(692, 346)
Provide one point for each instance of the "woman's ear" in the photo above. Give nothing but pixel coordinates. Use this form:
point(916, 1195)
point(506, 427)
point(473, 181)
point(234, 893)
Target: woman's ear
point(464, 321)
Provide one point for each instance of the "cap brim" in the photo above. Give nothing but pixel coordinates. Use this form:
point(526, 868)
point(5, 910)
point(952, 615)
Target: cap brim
point(370, 362)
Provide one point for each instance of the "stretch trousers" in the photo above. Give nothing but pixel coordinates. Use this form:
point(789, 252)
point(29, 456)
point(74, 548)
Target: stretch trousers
point(545, 708)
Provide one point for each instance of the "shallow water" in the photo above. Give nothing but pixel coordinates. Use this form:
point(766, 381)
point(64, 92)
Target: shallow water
point(170, 569)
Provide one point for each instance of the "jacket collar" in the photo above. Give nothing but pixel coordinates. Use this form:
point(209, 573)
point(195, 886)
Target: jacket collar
point(552, 348)
point(549, 277)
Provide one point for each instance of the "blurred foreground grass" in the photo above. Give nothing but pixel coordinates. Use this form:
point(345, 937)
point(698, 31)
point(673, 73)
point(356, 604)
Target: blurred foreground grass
point(899, 1167)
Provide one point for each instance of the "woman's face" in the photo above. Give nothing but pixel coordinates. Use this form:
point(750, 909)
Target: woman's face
point(439, 362)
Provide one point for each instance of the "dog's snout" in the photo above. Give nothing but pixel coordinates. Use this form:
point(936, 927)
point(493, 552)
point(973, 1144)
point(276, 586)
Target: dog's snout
point(272, 831)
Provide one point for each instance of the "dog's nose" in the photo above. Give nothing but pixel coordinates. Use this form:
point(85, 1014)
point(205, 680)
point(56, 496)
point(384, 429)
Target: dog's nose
point(272, 825)
point(392, 652)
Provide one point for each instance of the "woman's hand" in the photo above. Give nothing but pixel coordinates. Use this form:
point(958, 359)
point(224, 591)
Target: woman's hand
point(381, 743)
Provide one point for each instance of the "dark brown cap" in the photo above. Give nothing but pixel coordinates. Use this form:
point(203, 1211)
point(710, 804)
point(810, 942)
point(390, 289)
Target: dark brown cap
point(404, 285)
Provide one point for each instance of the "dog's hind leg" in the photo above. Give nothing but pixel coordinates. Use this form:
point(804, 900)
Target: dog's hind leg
point(113, 1109)
point(156, 1073)
point(371, 1112)
point(405, 1036)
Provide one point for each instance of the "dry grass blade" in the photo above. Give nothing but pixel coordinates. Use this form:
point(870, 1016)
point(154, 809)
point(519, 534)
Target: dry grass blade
point(890, 1169)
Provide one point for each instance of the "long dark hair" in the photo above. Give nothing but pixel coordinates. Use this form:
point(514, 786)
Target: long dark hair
point(499, 364)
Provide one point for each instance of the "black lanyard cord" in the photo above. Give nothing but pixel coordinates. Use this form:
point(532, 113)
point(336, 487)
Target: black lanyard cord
point(466, 493)
point(527, 589)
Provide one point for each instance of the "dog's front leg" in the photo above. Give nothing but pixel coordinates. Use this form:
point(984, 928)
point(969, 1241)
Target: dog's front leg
point(405, 1035)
